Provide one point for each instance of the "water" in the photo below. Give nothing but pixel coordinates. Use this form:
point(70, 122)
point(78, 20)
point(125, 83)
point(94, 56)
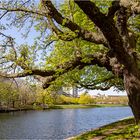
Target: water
point(57, 124)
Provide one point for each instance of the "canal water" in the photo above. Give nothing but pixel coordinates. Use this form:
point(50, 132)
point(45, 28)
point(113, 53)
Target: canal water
point(57, 124)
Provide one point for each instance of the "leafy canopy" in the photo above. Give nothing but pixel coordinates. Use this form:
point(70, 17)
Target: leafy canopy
point(55, 46)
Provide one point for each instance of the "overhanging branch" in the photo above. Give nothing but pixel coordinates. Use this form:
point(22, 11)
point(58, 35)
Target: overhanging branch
point(97, 38)
point(113, 8)
point(28, 72)
point(97, 84)
point(100, 59)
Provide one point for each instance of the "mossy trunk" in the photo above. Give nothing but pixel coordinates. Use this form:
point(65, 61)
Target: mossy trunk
point(132, 86)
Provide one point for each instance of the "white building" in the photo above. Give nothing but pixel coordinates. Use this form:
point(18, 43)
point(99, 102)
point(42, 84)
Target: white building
point(69, 91)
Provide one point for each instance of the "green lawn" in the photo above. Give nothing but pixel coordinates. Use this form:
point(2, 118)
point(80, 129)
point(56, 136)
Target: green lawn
point(72, 106)
point(121, 130)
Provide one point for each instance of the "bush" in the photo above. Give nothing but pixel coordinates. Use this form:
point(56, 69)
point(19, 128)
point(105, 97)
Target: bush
point(85, 99)
point(68, 100)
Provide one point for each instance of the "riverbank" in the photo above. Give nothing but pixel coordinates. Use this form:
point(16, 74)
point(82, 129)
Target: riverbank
point(121, 130)
point(73, 106)
point(70, 106)
point(6, 110)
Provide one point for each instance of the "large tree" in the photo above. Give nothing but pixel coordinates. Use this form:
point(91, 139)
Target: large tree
point(113, 25)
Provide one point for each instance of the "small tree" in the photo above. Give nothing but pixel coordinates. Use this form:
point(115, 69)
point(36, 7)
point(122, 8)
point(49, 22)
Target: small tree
point(85, 99)
point(45, 98)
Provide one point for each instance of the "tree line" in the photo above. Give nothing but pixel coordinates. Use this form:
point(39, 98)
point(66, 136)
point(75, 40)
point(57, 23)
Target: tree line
point(27, 96)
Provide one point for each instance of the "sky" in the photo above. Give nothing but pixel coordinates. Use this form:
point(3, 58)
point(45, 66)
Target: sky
point(111, 91)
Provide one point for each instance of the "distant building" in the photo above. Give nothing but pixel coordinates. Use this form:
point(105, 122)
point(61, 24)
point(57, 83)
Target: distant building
point(75, 92)
point(68, 91)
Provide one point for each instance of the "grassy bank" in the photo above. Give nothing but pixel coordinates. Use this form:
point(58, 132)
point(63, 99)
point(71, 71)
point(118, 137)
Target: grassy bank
point(70, 106)
point(121, 130)
point(73, 106)
point(10, 109)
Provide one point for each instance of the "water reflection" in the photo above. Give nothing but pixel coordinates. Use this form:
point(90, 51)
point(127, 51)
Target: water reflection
point(57, 124)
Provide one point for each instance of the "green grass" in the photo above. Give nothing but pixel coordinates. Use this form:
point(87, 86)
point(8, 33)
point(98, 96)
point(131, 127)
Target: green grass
point(73, 106)
point(69, 106)
point(121, 130)
point(110, 105)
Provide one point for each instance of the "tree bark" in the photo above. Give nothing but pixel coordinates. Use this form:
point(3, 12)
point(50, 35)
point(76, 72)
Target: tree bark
point(132, 86)
point(13, 104)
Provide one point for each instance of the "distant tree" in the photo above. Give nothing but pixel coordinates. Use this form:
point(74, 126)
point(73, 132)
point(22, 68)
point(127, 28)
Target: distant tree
point(85, 98)
point(44, 97)
point(16, 93)
point(67, 100)
point(8, 94)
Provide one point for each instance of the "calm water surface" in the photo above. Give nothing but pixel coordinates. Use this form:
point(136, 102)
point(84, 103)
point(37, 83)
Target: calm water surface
point(57, 124)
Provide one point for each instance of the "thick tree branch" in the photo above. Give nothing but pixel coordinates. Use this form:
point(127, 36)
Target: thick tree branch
point(29, 72)
point(110, 31)
point(113, 8)
point(132, 5)
point(100, 59)
point(60, 34)
point(84, 34)
point(121, 22)
point(92, 11)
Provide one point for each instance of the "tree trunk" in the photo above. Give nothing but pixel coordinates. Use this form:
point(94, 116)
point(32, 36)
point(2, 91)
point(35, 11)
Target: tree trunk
point(132, 86)
point(13, 104)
